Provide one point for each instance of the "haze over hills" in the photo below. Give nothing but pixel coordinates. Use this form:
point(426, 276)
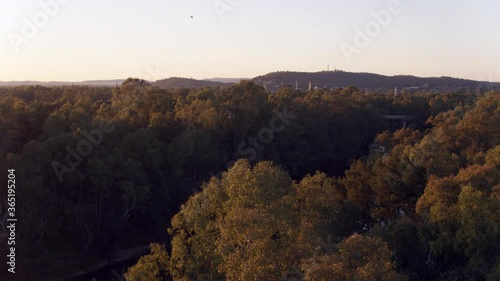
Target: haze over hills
point(173, 82)
point(109, 83)
point(227, 80)
point(303, 81)
point(177, 82)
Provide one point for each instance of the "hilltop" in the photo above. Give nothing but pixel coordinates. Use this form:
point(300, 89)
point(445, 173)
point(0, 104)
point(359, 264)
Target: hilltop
point(368, 81)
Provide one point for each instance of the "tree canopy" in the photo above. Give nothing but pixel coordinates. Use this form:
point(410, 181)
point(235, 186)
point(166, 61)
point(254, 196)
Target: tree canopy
point(253, 185)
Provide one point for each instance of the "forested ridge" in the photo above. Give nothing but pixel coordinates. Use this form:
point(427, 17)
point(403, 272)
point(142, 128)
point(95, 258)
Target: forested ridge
point(332, 192)
point(376, 82)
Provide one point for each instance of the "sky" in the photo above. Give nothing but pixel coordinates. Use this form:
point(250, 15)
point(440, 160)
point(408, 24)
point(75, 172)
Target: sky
point(77, 40)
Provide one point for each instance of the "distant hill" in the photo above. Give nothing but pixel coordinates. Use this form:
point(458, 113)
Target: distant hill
point(324, 79)
point(336, 79)
point(177, 82)
point(108, 83)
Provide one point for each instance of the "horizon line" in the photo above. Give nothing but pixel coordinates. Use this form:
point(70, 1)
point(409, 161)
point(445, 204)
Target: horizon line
point(241, 78)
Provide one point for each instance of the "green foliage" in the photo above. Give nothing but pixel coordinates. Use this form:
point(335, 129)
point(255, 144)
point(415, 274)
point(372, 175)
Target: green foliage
point(358, 258)
point(430, 192)
point(195, 233)
point(493, 156)
point(152, 267)
point(257, 227)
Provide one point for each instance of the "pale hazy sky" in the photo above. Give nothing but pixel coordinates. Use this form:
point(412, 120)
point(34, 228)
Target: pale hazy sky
point(155, 39)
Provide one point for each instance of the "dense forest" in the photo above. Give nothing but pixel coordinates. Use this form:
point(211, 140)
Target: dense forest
point(237, 183)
